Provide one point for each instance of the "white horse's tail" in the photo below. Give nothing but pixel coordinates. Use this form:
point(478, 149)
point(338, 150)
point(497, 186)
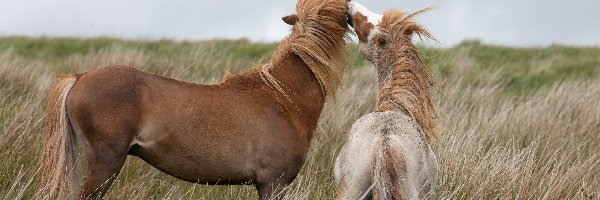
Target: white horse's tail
point(389, 172)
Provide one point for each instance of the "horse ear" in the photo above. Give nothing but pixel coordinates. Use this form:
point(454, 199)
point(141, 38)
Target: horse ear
point(290, 19)
point(411, 29)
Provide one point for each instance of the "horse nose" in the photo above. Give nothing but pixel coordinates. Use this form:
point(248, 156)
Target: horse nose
point(349, 19)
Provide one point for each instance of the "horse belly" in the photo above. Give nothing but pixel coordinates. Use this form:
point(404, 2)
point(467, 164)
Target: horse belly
point(217, 136)
point(195, 158)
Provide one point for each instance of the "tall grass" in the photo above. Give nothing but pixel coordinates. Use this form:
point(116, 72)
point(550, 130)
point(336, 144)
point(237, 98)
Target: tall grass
point(506, 133)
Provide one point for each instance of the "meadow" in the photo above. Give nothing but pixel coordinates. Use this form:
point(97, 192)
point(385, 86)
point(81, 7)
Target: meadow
point(516, 123)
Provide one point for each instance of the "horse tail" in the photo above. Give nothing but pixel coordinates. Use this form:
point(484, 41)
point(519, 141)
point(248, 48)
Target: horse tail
point(57, 162)
point(388, 171)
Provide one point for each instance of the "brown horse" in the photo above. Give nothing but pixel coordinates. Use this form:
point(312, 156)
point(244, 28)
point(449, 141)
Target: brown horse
point(387, 153)
point(252, 128)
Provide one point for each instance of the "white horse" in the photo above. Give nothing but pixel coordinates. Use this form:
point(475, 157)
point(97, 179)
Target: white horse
point(387, 153)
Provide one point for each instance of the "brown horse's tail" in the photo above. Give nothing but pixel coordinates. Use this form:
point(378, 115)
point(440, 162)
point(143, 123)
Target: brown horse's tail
point(389, 172)
point(57, 163)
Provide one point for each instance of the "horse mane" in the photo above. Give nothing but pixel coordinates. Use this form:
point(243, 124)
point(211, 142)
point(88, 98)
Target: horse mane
point(318, 38)
point(399, 23)
point(411, 77)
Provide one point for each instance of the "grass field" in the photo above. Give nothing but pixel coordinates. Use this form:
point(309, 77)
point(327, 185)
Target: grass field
point(516, 123)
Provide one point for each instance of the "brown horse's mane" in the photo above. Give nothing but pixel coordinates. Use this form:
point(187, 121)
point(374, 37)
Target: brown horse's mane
point(318, 38)
point(411, 77)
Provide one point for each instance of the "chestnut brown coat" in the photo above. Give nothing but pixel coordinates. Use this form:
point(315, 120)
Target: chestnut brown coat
point(252, 128)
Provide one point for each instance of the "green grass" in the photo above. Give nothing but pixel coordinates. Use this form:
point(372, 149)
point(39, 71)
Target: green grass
point(522, 70)
point(54, 49)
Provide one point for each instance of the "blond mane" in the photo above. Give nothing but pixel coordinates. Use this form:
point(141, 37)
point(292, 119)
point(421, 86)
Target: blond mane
point(318, 38)
point(398, 23)
point(410, 78)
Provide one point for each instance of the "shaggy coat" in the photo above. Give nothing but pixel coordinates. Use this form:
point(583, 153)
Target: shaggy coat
point(387, 153)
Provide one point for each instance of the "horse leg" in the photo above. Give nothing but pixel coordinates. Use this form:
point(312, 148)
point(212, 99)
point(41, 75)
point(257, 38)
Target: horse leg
point(105, 161)
point(354, 168)
point(271, 190)
point(272, 181)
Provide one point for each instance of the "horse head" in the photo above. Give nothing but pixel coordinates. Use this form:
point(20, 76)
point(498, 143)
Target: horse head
point(378, 34)
point(319, 29)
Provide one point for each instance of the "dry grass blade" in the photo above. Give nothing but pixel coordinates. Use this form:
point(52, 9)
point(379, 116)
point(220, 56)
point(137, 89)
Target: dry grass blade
point(494, 144)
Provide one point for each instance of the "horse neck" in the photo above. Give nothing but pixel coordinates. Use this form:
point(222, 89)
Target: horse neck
point(399, 84)
point(300, 85)
point(404, 82)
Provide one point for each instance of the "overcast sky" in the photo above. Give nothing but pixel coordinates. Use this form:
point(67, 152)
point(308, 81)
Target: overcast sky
point(506, 22)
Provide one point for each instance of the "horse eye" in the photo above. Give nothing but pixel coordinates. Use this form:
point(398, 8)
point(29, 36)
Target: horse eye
point(381, 42)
